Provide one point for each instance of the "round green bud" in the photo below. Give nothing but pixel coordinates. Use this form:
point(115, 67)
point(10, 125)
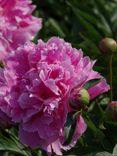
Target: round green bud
point(108, 46)
point(79, 99)
point(84, 97)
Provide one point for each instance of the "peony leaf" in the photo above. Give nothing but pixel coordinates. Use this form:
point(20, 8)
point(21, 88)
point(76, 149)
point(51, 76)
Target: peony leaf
point(9, 143)
point(115, 150)
point(99, 154)
point(92, 83)
point(70, 127)
point(56, 27)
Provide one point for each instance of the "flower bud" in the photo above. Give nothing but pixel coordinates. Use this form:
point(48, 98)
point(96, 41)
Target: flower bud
point(80, 99)
point(108, 46)
point(111, 111)
point(84, 96)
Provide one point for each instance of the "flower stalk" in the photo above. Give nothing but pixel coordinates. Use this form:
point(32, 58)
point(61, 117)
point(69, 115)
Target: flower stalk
point(111, 76)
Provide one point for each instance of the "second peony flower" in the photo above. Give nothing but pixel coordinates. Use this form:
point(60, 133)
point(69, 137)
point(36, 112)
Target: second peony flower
point(17, 24)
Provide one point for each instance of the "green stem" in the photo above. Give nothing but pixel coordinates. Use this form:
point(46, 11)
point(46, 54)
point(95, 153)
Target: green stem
point(110, 77)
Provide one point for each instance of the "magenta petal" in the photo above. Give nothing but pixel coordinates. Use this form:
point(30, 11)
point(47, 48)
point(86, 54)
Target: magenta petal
point(98, 89)
point(79, 130)
point(56, 146)
point(33, 140)
point(50, 83)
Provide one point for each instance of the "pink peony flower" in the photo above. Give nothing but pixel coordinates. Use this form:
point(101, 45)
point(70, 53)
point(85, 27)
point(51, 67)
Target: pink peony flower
point(35, 88)
point(17, 25)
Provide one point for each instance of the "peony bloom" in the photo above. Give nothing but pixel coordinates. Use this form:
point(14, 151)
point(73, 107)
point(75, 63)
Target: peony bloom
point(17, 25)
point(35, 88)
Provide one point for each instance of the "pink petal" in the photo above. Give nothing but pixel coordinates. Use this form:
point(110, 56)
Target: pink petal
point(79, 130)
point(98, 89)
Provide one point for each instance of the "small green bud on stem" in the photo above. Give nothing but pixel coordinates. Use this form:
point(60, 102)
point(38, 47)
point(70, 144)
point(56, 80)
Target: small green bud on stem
point(108, 46)
point(80, 100)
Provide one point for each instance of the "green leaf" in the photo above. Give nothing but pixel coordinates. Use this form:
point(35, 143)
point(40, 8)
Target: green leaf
point(91, 125)
point(70, 127)
point(115, 150)
point(100, 10)
point(87, 25)
point(103, 154)
point(111, 130)
point(91, 83)
point(56, 27)
point(99, 154)
point(7, 143)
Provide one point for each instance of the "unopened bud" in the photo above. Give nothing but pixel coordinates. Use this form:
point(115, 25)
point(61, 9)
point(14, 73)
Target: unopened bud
point(80, 100)
point(108, 46)
point(84, 96)
point(111, 111)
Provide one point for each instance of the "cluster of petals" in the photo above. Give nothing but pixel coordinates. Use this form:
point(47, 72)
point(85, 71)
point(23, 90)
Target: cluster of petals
point(35, 88)
point(17, 25)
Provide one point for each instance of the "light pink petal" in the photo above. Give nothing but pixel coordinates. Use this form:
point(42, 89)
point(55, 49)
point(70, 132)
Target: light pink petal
point(56, 146)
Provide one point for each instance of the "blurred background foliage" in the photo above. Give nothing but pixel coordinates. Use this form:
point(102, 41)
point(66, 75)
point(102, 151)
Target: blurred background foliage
point(83, 23)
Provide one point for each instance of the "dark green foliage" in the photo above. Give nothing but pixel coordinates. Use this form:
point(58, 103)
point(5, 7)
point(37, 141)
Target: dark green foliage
point(9, 145)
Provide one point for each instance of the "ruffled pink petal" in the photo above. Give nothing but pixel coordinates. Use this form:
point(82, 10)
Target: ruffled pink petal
point(17, 25)
point(56, 146)
point(79, 130)
point(98, 89)
point(33, 140)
